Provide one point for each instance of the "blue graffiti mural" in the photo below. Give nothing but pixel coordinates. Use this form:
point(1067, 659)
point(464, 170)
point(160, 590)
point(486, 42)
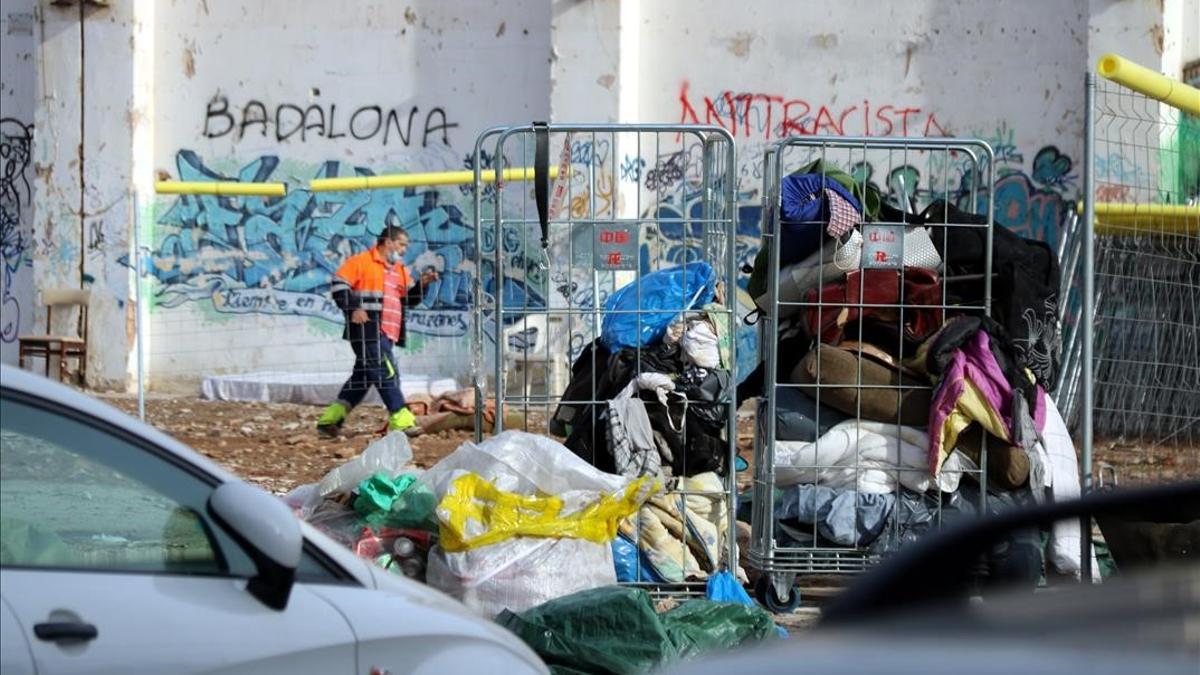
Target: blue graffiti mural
point(277, 255)
point(1033, 204)
point(681, 232)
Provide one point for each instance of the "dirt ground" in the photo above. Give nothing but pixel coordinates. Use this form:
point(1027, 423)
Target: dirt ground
point(275, 445)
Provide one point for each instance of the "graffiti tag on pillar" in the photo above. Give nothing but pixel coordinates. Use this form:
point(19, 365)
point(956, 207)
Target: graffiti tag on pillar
point(16, 144)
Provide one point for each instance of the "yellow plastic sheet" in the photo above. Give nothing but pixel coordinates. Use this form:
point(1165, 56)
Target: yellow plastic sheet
point(472, 498)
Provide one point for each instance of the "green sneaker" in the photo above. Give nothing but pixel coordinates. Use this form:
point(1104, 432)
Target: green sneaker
point(404, 420)
point(330, 422)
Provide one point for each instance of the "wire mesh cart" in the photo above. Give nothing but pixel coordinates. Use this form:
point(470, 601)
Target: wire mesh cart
point(604, 320)
point(876, 275)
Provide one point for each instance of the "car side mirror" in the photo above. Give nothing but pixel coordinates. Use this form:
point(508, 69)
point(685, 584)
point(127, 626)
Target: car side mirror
point(267, 530)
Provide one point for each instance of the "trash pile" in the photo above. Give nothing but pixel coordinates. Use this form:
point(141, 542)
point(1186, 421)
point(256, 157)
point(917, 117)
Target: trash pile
point(506, 524)
point(522, 530)
point(892, 375)
point(638, 492)
point(375, 505)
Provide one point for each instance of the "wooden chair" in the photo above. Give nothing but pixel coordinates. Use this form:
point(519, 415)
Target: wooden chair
point(65, 347)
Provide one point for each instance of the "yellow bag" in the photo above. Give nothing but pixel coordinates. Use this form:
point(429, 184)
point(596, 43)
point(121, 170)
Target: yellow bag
point(472, 498)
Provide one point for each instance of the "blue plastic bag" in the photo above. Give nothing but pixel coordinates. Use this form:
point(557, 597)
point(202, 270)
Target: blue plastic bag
point(722, 587)
point(663, 295)
point(626, 558)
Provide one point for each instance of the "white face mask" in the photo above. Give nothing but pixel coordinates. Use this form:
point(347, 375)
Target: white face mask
point(394, 258)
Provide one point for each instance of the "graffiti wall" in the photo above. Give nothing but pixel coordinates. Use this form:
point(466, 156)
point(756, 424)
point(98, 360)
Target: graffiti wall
point(291, 91)
point(1032, 194)
point(275, 257)
point(242, 284)
point(16, 176)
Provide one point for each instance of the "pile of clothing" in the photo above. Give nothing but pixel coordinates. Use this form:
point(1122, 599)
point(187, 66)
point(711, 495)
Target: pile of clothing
point(678, 535)
point(893, 379)
point(651, 397)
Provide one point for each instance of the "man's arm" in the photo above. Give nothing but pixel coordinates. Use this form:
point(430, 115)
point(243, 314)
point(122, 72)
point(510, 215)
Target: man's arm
point(342, 289)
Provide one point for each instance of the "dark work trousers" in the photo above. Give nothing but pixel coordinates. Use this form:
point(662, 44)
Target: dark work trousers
point(374, 366)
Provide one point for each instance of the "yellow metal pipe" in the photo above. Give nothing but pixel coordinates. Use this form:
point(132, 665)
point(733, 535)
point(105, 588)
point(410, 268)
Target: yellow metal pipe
point(403, 180)
point(1123, 210)
point(1131, 226)
point(1115, 218)
point(1153, 84)
point(220, 187)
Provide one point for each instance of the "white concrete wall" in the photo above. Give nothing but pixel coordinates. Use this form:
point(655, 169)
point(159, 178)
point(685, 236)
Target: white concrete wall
point(18, 44)
point(83, 155)
point(1011, 74)
point(383, 88)
point(291, 91)
point(1135, 29)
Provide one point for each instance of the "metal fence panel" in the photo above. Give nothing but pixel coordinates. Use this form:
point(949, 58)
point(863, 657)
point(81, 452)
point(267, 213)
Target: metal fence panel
point(646, 198)
point(889, 244)
point(1144, 161)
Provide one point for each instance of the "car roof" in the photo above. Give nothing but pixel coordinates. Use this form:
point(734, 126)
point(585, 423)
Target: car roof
point(32, 384)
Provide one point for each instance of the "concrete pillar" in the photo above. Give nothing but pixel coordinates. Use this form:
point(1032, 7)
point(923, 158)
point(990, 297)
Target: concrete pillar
point(89, 105)
point(58, 155)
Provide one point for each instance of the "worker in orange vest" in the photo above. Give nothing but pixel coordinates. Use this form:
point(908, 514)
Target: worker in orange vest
point(372, 288)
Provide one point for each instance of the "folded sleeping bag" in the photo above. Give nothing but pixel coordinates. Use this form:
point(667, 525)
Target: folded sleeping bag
point(828, 365)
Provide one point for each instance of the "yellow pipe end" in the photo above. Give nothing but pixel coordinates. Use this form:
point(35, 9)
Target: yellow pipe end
point(1109, 65)
point(1126, 219)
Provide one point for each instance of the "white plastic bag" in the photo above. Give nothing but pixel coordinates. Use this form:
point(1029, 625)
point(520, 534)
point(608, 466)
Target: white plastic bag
point(536, 571)
point(516, 461)
point(302, 499)
point(700, 345)
point(387, 455)
point(521, 572)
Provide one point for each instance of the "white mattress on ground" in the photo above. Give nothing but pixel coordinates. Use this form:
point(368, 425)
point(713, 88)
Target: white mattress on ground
point(310, 388)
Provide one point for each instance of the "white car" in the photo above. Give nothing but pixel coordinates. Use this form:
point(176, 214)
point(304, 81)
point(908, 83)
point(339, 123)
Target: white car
point(121, 550)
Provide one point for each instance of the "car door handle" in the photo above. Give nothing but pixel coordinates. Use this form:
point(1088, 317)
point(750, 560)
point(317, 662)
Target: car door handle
point(53, 631)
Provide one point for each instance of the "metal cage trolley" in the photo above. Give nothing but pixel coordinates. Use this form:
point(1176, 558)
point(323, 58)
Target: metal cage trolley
point(851, 286)
point(605, 320)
